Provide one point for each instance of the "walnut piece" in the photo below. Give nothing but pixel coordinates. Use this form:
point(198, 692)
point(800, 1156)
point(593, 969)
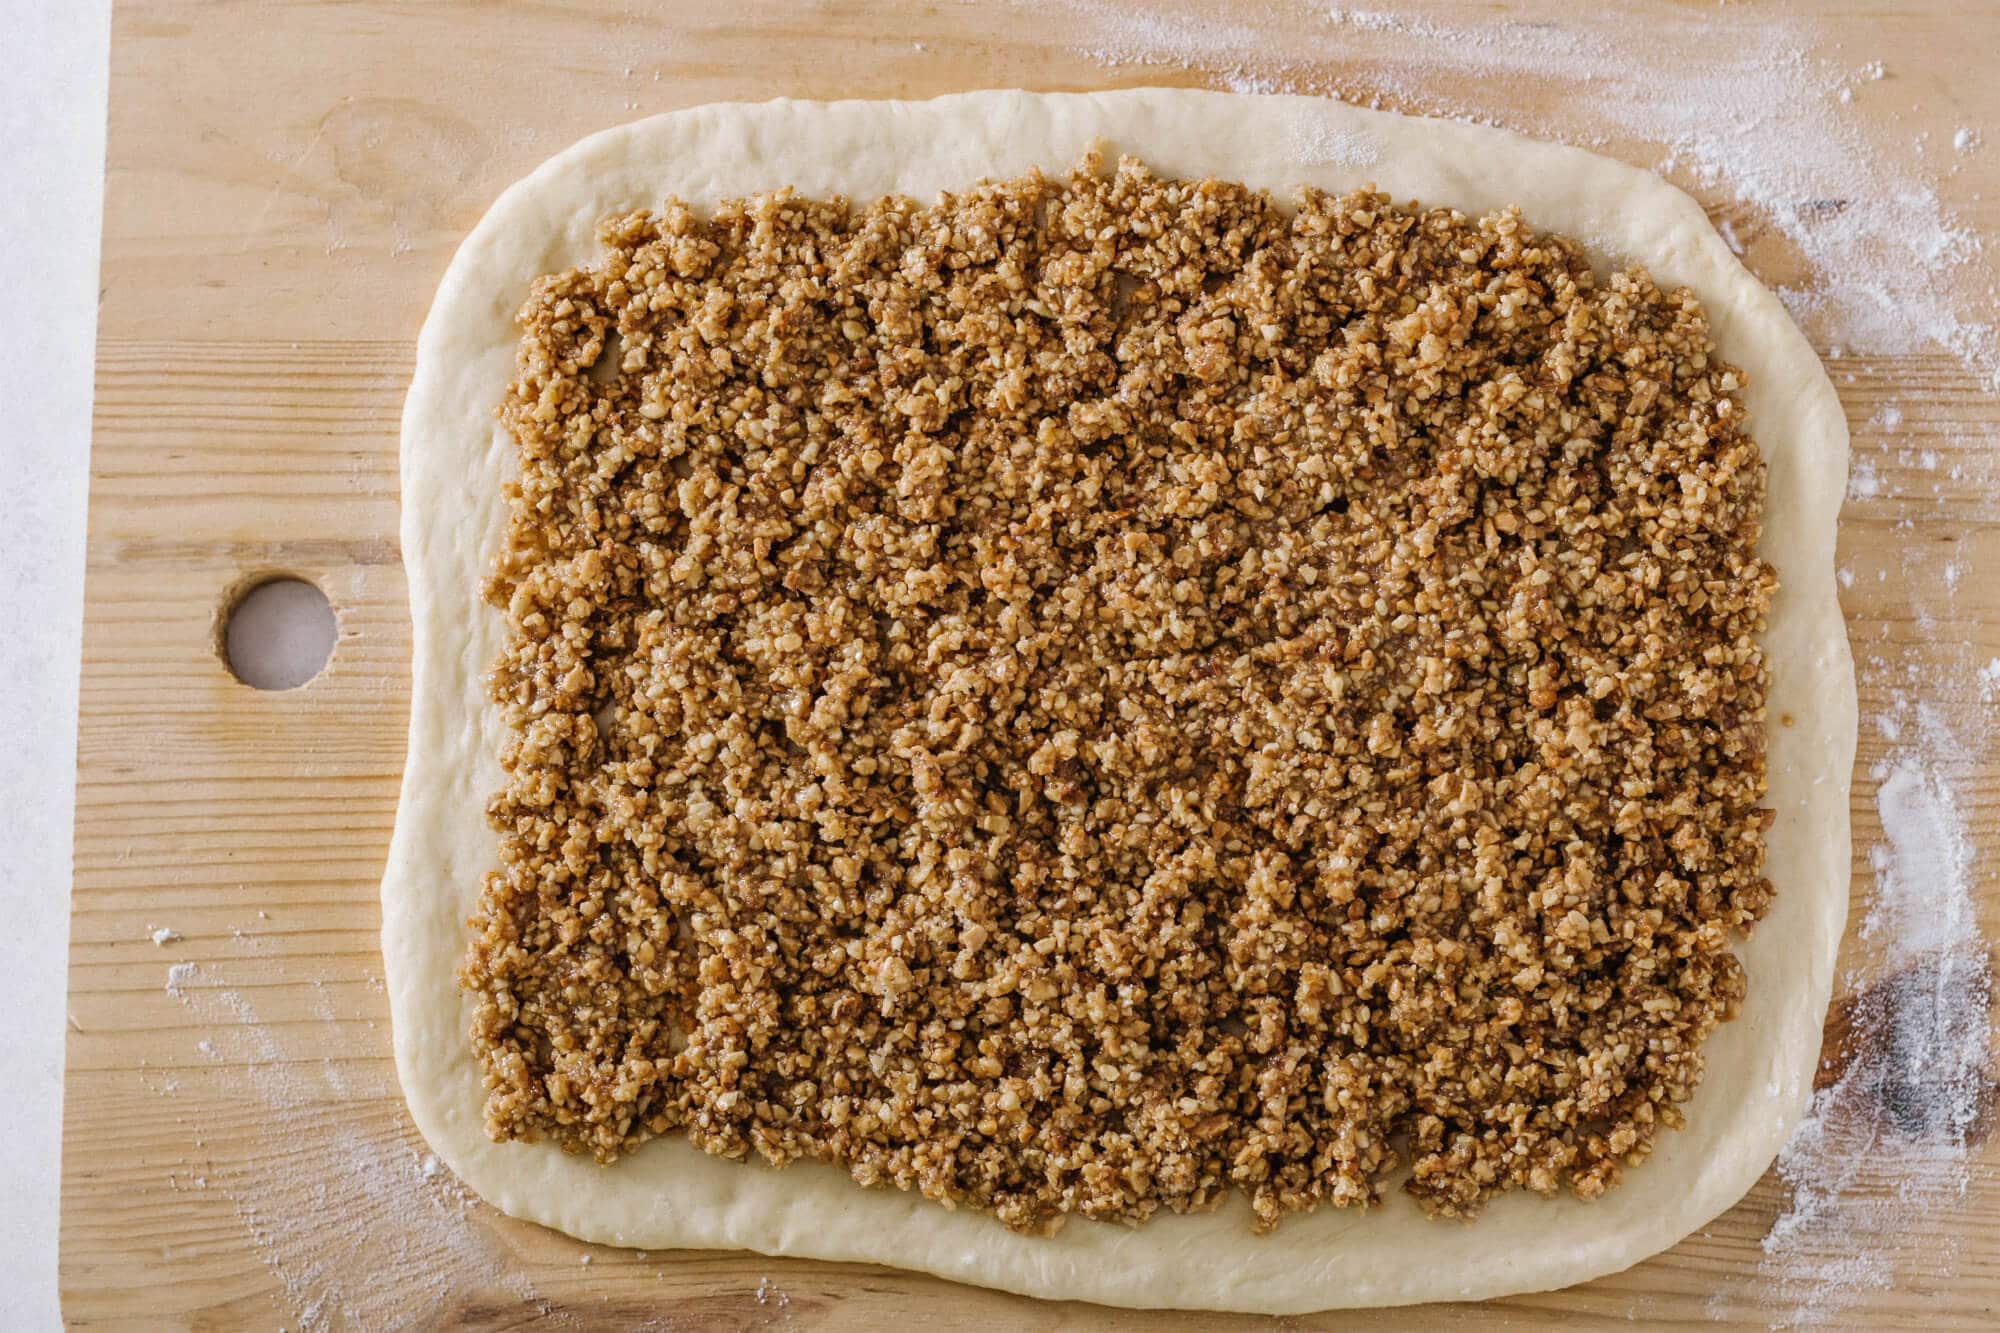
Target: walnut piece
point(1102, 692)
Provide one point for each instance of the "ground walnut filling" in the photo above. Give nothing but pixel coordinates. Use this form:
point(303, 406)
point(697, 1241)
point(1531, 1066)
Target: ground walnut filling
point(1102, 692)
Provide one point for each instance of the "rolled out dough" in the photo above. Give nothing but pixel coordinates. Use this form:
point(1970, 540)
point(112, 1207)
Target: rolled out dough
point(455, 457)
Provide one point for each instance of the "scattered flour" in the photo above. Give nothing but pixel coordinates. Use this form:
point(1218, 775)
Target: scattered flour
point(1863, 482)
point(1242, 81)
point(1890, 1139)
point(390, 1239)
point(1315, 141)
point(163, 935)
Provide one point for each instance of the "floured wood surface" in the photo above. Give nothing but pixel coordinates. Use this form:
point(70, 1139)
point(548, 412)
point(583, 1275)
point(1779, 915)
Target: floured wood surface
point(284, 190)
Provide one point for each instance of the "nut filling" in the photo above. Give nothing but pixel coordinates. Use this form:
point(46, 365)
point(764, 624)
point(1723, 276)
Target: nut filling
point(1102, 692)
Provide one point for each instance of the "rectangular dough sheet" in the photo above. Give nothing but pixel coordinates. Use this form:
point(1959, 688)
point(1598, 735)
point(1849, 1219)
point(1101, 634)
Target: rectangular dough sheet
point(455, 456)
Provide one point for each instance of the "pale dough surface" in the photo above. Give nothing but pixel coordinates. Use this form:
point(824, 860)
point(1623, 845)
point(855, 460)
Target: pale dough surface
point(455, 456)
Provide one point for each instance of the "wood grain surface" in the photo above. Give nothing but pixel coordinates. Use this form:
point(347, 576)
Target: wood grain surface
point(286, 183)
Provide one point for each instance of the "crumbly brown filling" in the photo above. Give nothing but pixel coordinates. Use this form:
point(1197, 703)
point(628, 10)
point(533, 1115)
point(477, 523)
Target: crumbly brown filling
point(1101, 692)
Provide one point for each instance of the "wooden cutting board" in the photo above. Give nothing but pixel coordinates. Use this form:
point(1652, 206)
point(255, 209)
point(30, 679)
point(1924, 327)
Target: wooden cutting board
point(286, 183)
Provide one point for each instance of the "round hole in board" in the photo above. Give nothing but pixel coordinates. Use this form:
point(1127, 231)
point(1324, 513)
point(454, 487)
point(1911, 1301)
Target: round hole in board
point(278, 634)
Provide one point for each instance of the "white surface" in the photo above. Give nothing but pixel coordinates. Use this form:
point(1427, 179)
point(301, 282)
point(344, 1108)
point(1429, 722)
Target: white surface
point(52, 142)
point(280, 634)
point(456, 457)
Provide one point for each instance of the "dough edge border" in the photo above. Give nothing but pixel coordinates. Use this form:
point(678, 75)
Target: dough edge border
point(673, 1196)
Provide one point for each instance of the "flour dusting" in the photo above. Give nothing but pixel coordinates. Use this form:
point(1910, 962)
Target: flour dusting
point(390, 1238)
point(1890, 1138)
point(1316, 142)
